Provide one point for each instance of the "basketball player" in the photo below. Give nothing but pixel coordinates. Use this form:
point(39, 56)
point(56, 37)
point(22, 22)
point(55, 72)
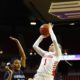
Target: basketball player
point(15, 73)
point(50, 59)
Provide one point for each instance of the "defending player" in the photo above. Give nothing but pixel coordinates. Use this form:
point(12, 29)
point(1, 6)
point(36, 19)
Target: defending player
point(15, 72)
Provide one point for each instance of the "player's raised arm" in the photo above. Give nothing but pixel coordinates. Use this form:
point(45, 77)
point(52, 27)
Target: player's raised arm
point(54, 40)
point(36, 47)
point(21, 51)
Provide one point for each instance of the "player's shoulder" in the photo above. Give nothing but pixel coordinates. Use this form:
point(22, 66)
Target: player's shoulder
point(51, 53)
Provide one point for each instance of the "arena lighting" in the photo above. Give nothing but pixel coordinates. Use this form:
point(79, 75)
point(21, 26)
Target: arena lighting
point(71, 57)
point(65, 10)
point(72, 24)
point(34, 53)
point(31, 53)
point(1, 52)
point(33, 23)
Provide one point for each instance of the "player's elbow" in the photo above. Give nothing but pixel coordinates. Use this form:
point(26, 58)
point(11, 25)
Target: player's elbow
point(34, 46)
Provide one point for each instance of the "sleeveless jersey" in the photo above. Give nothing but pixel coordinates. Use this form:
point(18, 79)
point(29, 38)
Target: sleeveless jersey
point(48, 64)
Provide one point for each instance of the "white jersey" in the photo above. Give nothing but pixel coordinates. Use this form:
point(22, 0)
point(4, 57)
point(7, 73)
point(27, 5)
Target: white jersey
point(50, 60)
point(48, 64)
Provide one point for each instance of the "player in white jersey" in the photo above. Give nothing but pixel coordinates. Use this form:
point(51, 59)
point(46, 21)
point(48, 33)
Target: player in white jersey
point(50, 59)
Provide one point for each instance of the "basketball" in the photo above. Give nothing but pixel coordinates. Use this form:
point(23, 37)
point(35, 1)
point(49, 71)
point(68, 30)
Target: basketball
point(44, 29)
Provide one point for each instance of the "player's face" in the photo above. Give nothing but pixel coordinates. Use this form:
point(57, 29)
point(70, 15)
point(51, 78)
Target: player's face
point(17, 64)
point(52, 48)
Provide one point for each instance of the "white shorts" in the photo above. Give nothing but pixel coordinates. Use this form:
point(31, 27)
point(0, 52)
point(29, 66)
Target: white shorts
point(41, 77)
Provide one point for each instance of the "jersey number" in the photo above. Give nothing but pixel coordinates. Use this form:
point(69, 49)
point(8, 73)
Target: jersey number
point(45, 61)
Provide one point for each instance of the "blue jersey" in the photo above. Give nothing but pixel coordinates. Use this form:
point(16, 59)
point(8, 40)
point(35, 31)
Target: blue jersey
point(18, 75)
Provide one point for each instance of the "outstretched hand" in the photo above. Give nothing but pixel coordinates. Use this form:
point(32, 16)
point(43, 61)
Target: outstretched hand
point(14, 39)
point(8, 69)
point(50, 25)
